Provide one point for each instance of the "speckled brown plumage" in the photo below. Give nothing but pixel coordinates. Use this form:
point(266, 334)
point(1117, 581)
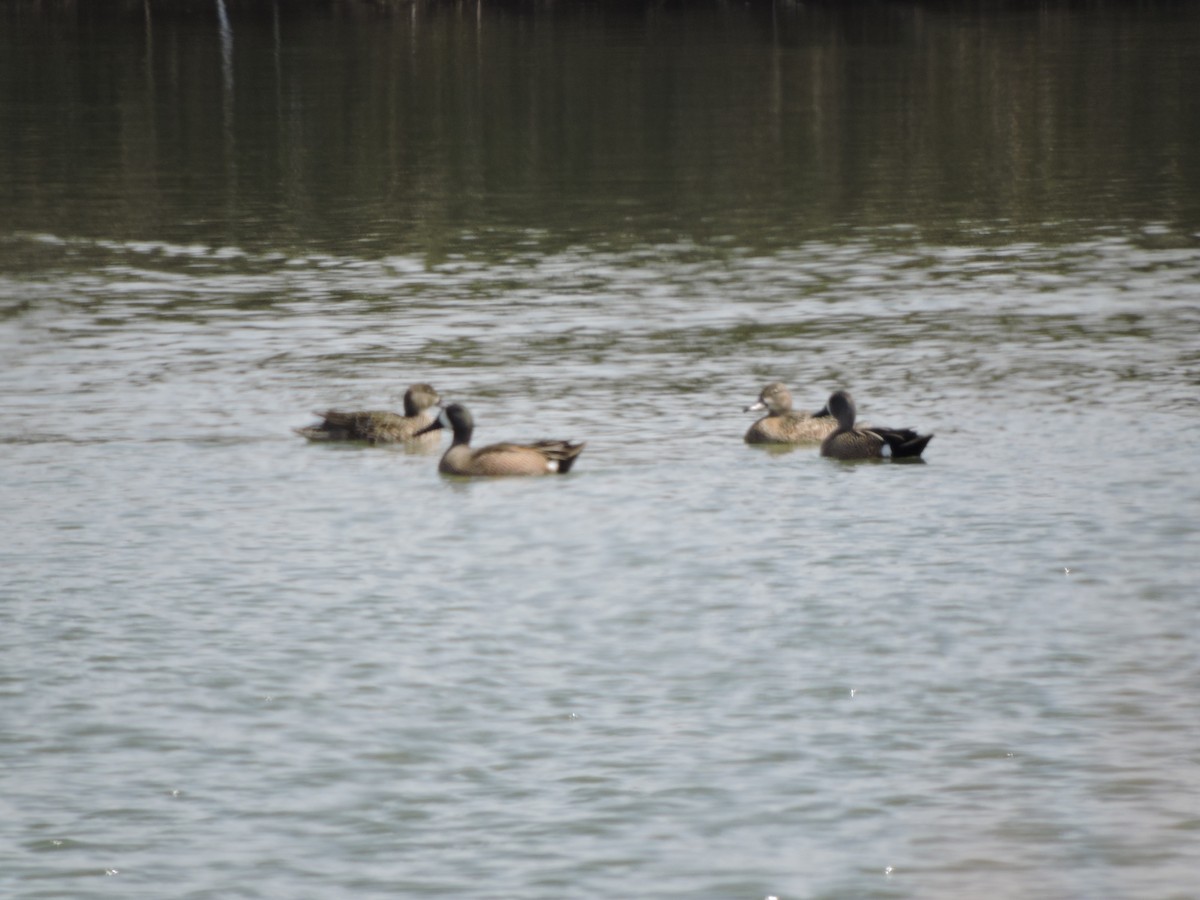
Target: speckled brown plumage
point(783, 426)
point(380, 426)
point(848, 442)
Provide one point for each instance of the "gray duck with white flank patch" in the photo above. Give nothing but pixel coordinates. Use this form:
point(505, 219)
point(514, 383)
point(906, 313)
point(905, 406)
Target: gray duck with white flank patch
point(538, 458)
point(849, 442)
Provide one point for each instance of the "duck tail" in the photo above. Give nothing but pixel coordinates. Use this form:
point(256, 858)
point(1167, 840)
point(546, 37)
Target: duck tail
point(910, 445)
point(569, 453)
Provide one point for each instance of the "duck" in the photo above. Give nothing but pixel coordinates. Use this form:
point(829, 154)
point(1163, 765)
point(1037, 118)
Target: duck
point(848, 442)
point(783, 426)
point(379, 426)
point(538, 458)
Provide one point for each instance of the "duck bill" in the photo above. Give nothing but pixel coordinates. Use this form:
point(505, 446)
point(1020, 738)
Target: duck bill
point(755, 407)
point(822, 412)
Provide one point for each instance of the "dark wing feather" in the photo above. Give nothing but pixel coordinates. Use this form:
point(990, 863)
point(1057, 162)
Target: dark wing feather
point(904, 441)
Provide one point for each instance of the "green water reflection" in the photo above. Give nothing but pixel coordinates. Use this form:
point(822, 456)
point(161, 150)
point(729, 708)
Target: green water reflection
point(475, 128)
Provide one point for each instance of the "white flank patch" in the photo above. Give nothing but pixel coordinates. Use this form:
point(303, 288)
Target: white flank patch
point(886, 450)
point(552, 465)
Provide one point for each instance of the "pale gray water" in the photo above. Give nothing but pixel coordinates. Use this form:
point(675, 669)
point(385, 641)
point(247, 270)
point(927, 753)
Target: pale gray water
point(236, 665)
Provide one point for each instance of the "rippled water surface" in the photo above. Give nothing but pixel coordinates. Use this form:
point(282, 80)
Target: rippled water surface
point(234, 664)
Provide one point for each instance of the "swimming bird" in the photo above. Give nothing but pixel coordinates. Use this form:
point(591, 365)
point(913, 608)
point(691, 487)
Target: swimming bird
point(848, 442)
point(538, 458)
point(378, 426)
point(783, 426)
